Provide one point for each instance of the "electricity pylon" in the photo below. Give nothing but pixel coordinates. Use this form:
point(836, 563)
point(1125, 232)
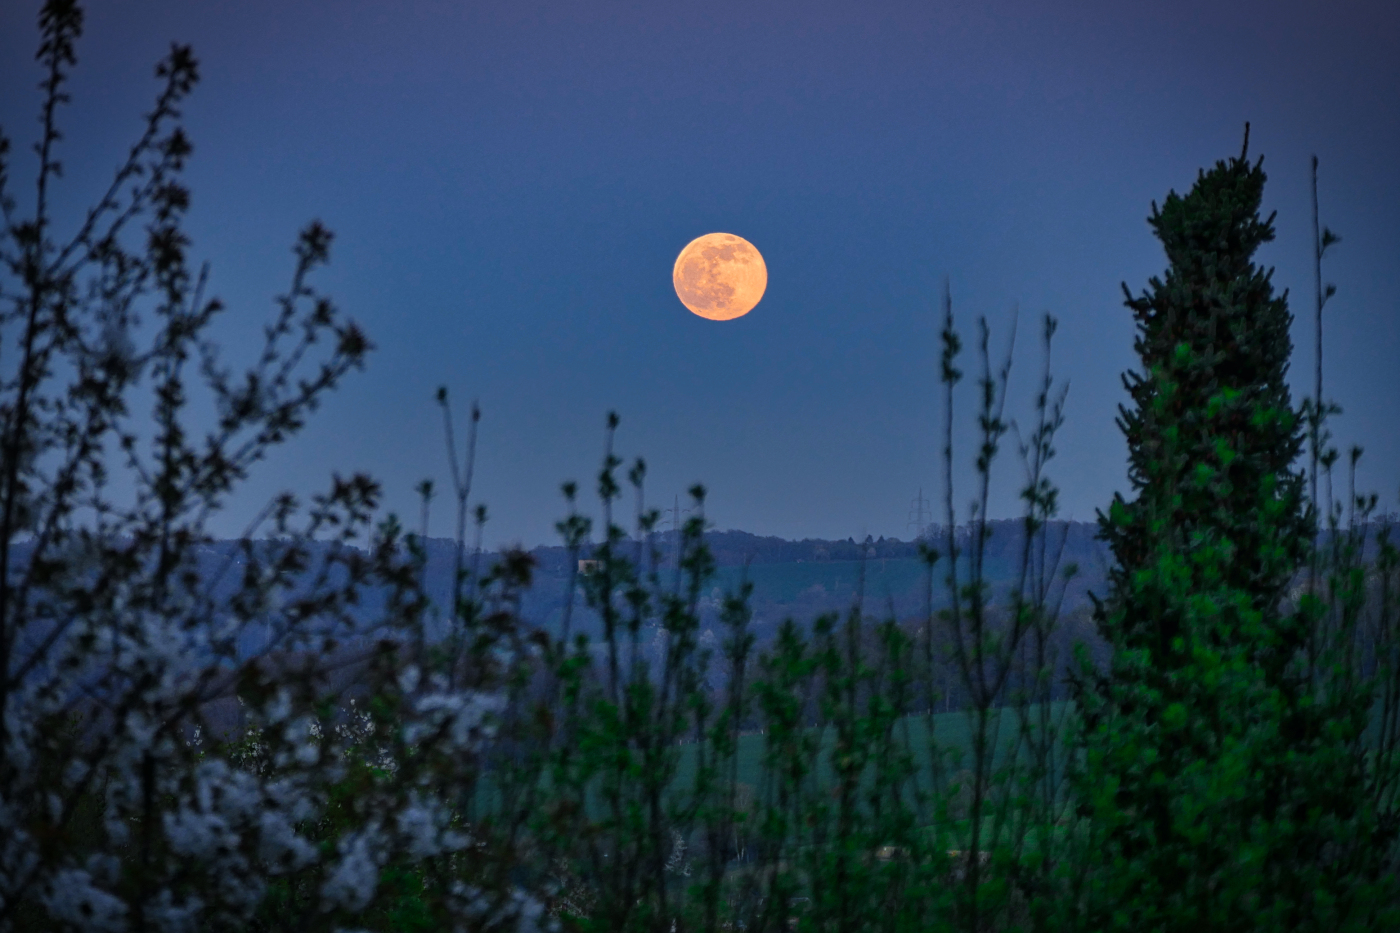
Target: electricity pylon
point(920, 514)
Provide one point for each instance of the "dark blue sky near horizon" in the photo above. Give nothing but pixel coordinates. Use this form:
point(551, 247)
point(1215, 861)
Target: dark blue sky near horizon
point(509, 184)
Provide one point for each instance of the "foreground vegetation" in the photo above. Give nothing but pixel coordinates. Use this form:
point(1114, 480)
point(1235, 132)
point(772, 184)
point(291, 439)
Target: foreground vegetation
point(1232, 765)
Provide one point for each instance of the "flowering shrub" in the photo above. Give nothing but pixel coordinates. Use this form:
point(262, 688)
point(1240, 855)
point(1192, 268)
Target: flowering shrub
point(122, 805)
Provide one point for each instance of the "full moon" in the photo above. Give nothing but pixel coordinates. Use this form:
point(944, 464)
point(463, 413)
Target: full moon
point(720, 276)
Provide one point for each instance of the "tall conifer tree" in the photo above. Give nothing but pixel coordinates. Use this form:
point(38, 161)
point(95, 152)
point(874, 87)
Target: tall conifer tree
point(1212, 435)
point(1223, 788)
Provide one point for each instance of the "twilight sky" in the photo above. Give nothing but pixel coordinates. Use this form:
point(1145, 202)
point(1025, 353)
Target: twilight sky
point(510, 182)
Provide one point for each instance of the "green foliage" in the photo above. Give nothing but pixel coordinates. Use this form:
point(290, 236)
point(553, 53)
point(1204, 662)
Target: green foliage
point(675, 773)
point(1223, 780)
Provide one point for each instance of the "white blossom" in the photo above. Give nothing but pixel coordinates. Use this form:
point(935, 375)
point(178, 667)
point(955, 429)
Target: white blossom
point(278, 708)
point(73, 899)
point(424, 827)
point(462, 717)
point(354, 877)
point(170, 915)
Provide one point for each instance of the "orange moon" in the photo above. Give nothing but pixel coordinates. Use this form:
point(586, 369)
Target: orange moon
point(720, 276)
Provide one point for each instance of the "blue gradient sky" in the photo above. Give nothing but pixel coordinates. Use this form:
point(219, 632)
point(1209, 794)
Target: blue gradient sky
point(510, 182)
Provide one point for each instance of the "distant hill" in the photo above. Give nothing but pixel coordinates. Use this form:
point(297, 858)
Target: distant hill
point(801, 580)
point(798, 580)
point(805, 579)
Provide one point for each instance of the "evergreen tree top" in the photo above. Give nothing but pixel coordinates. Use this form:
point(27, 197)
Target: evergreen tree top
point(1212, 323)
point(1217, 221)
